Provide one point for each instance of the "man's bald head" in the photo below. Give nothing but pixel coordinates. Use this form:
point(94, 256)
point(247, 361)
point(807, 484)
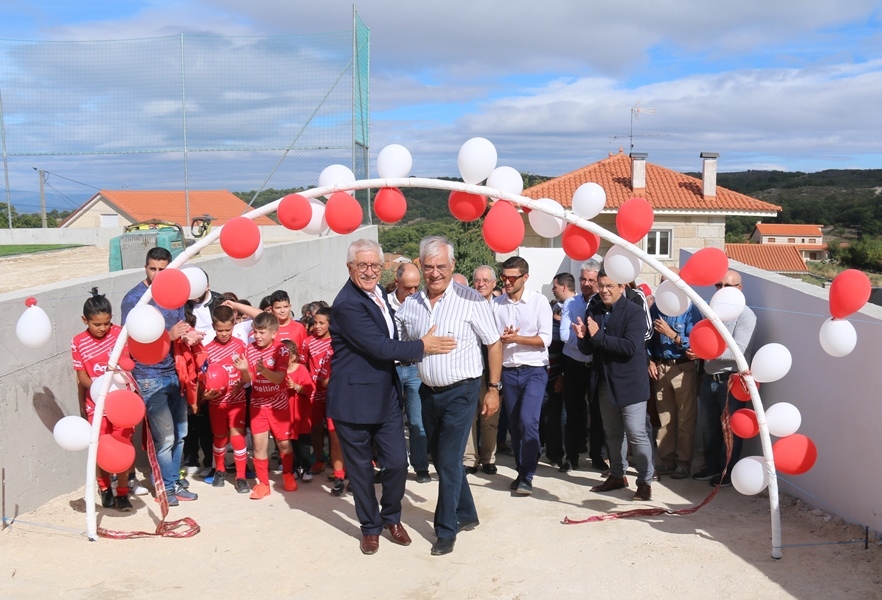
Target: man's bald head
point(731, 279)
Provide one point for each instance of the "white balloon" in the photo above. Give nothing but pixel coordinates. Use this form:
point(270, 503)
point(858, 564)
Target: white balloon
point(749, 475)
point(783, 419)
point(250, 261)
point(99, 382)
point(671, 300)
point(838, 337)
point(771, 363)
point(336, 175)
point(507, 179)
point(394, 161)
point(145, 323)
point(34, 327)
point(546, 225)
point(728, 303)
point(621, 266)
point(198, 281)
point(317, 224)
point(588, 200)
point(476, 160)
point(72, 433)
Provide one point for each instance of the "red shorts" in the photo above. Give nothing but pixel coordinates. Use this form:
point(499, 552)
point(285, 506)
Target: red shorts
point(301, 414)
point(225, 417)
point(107, 427)
point(275, 420)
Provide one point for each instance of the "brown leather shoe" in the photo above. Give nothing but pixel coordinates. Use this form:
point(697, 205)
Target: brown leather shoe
point(644, 492)
point(399, 534)
point(611, 483)
point(370, 544)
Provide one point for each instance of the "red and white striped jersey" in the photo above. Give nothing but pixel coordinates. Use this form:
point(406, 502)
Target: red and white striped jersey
point(222, 354)
point(263, 391)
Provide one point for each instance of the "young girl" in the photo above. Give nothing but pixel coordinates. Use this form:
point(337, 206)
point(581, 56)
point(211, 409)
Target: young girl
point(300, 389)
point(90, 351)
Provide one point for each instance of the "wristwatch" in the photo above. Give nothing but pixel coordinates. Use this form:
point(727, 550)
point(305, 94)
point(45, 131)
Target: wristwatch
point(498, 386)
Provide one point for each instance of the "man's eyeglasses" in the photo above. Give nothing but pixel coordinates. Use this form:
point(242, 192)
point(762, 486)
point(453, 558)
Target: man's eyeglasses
point(722, 285)
point(363, 267)
point(510, 278)
point(485, 281)
point(440, 268)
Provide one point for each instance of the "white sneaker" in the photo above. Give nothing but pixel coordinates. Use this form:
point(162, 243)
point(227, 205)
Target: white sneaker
point(307, 476)
point(192, 470)
point(135, 488)
point(205, 472)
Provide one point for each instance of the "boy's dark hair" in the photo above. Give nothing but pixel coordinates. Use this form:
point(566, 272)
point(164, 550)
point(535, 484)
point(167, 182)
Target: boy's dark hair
point(279, 296)
point(323, 311)
point(265, 320)
point(266, 302)
point(516, 262)
point(158, 254)
point(189, 315)
point(229, 296)
point(223, 314)
point(98, 304)
point(307, 322)
point(292, 349)
point(245, 301)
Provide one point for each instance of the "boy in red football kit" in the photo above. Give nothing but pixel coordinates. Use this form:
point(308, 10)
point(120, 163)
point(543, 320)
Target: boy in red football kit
point(226, 408)
point(265, 366)
point(300, 388)
point(90, 351)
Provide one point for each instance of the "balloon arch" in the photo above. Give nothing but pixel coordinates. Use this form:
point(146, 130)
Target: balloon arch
point(503, 232)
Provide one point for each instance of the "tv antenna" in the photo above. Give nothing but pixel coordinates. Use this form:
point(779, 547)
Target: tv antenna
point(636, 111)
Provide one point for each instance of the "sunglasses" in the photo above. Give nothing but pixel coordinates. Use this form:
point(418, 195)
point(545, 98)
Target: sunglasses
point(510, 278)
point(722, 285)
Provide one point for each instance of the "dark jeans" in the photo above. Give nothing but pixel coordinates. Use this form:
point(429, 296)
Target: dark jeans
point(572, 438)
point(523, 389)
point(199, 437)
point(712, 398)
point(447, 417)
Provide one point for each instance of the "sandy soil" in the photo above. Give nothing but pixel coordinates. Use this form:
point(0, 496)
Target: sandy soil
point(305, 544)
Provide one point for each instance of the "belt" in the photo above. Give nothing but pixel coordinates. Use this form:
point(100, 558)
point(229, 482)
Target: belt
point(720, 377)
point(405, 363)
point(440, 389)
point(670, 362)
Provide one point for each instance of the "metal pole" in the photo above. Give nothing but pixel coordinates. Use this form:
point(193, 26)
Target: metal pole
point(42, 197)
point(186, 157)
point(5, 163)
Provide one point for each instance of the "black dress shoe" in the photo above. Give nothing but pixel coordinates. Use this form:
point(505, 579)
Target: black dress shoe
point(514, 484)
point(423, 477)
point(471, 470)
point(489, 469)
point(466, 525)
point(599, 464)
point(378, 476)
point(442, 546)
point(566, 467)
point(370, 544)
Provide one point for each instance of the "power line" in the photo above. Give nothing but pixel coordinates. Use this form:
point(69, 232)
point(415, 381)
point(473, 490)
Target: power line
point(72, 180)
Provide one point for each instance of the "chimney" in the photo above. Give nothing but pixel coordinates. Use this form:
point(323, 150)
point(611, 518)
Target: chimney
point(709, 173)
point(638, 171)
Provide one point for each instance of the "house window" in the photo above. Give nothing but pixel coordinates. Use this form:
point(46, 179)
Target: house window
point(109, 221)
point(658, 242)
point(791, 240)
point(771, 240)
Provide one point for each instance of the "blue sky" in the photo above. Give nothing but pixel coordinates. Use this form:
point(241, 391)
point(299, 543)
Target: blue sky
point(784, 85)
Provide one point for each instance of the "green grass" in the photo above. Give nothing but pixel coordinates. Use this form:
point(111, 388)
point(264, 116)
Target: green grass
point(14, 249)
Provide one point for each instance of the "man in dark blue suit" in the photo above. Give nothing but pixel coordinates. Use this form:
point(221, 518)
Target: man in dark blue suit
point(364, 393)
point(613, 332)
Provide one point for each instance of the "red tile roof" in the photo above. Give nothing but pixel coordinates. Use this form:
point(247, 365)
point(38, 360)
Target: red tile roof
point(789, 229)
point(169, 205)
point(780, 258)
point(665, 190)
point(811, 247)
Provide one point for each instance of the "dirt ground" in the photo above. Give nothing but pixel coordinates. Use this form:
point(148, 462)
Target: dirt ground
point(304, 544)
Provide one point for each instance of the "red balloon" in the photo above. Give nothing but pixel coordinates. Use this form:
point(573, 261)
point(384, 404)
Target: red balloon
point(170, 288)
point(706, 267)
point(343, 213)
point(125, 363)
point(216, 378)
point(466, 207)
point(240, 237)
point(738, 388)
point(705, 341)
point(849, 292)
point(503, 227)
point(124, 408)
point(152, 353)
point(578, 243)
point(390, 205)
point(795, 454)
point(294, 212)
point(115, 453)
point(634, 219)
point(743, 423)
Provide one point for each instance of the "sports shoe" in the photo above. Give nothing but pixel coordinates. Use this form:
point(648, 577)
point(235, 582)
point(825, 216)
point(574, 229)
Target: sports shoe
point(339, 487)
point(184, 483)
point(183, 494)
point(219, 479)
point(665, 470)
point(524, 487)
point(290, 482)
point(722, 482)
point(513, 486)
point(704, 475)
point(172, 499)
point(261, 490)
point(306, 476)
point(107, 498)
point(191, 470)
point(206, 472)
point(680, 473)
point(123, 504)
point(242, 486)
point(317, 468)
point(135, 488)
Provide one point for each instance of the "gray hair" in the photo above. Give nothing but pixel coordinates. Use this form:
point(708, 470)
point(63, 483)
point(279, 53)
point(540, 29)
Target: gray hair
point(435, 245)
point(591, 265)
point(363, 246)
point(488, 267)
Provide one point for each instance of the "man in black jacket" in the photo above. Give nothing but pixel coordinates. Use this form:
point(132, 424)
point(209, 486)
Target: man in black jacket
point(613, 332)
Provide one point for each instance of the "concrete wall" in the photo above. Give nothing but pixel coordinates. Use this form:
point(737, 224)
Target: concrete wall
point(837, 397)
point(38, 387)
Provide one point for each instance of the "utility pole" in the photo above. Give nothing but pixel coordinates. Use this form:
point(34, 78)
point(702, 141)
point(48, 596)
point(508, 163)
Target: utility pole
point(41, 174)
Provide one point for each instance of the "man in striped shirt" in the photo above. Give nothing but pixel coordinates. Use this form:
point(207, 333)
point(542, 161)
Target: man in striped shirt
point(451, 382)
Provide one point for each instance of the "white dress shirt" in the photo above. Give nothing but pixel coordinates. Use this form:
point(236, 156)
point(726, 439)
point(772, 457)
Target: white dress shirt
point(461, 313)
point(531, 315)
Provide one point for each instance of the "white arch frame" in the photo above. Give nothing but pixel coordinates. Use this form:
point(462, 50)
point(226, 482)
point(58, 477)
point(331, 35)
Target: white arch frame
point(517, 200)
